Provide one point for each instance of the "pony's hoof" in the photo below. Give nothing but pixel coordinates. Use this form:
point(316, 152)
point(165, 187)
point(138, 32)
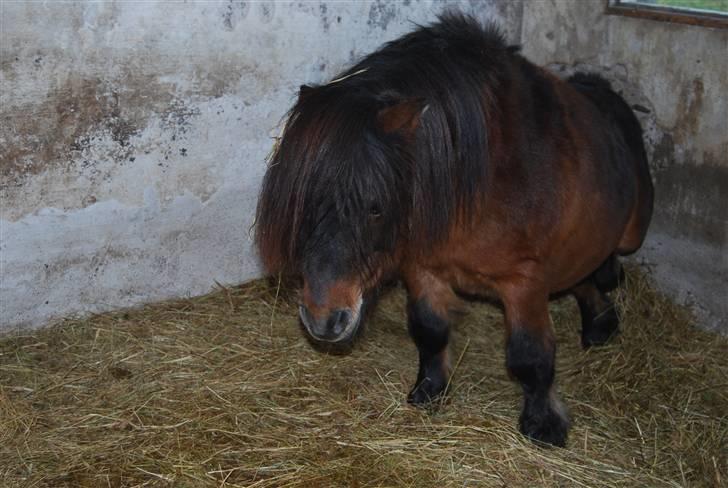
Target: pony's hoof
point(427, 393)
point(549, 429)
point(602, 328)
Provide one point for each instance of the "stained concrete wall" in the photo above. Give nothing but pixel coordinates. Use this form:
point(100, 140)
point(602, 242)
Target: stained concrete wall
point(133, 137)
point(677, 76)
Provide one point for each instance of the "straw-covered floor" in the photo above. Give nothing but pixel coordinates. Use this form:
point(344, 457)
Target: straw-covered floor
point(224, 390)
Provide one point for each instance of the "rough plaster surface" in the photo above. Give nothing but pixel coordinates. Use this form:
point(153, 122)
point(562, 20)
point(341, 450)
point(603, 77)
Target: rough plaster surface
point(677, 75)
point(133, 136)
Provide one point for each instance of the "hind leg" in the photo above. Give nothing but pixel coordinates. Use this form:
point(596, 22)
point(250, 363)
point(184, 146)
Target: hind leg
point(599, 318)
point(609, 275)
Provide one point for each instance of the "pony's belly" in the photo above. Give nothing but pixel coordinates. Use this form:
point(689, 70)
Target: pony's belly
point(467, 282)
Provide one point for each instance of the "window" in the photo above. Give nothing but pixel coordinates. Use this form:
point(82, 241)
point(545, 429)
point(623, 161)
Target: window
point(710, 13)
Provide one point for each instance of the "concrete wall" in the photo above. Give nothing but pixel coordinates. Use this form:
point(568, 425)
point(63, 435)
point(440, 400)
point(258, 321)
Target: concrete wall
point(678, 75)
point(133, 137)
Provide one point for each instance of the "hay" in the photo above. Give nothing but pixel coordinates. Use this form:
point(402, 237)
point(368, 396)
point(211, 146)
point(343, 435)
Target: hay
point(223, 390)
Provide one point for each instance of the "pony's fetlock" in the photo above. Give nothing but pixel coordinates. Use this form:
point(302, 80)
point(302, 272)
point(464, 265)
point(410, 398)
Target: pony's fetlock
point(429, 390)
point(544, 420)
point(598, 330)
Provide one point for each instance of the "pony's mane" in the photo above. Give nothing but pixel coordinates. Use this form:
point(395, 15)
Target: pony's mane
point(332, 148)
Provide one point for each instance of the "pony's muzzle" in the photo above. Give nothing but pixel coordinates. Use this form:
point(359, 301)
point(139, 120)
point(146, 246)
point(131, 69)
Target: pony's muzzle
point(338, 326)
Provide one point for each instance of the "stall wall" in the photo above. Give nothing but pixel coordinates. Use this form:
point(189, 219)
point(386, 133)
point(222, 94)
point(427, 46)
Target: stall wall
point(133, 137)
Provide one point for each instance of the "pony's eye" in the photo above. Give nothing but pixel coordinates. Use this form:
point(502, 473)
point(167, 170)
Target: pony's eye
point(375, 211)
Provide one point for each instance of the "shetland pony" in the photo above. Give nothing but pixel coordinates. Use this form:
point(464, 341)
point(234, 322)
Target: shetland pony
point(448, 161)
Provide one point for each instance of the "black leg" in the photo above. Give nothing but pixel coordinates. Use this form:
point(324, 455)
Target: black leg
point(609, 275)
point(599, 317)
point(543, 417)
point(530, 355)
point(430, 333)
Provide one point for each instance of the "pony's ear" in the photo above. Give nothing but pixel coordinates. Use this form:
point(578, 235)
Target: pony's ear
point(402, 116)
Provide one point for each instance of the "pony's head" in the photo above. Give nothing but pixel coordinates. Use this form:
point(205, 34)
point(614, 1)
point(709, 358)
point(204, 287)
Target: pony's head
point(377, 166)
point(335, 201)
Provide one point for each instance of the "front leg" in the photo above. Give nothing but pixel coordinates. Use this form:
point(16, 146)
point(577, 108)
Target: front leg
point(530, 355)
point(431, 333)
point(429, 304)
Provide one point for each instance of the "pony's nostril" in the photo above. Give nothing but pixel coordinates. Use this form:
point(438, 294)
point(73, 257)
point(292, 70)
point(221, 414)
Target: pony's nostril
point(338, 321)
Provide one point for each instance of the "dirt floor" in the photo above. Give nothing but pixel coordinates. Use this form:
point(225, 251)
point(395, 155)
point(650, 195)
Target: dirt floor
point(224, 390)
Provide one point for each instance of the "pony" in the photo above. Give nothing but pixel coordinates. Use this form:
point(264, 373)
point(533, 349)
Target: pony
point(447, 161)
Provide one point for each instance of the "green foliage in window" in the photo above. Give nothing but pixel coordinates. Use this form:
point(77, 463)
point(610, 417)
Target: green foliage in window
point(708, 5)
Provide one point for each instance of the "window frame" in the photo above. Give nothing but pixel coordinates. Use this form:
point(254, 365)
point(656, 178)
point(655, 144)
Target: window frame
point(666, 14)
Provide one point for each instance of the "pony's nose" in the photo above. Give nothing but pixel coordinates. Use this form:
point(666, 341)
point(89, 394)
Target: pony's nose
point(327, 329)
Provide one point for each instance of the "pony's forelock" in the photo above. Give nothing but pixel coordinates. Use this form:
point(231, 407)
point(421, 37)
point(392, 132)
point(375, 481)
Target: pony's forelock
point(333, 157)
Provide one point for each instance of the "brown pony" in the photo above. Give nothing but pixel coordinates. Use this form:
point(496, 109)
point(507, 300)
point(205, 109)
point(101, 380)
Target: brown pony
point(448, 161)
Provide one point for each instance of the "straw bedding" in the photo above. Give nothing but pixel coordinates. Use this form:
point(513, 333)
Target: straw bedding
point(224, 390)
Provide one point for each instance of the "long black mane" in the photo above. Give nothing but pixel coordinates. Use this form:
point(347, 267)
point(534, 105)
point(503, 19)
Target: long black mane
point(333, 157)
